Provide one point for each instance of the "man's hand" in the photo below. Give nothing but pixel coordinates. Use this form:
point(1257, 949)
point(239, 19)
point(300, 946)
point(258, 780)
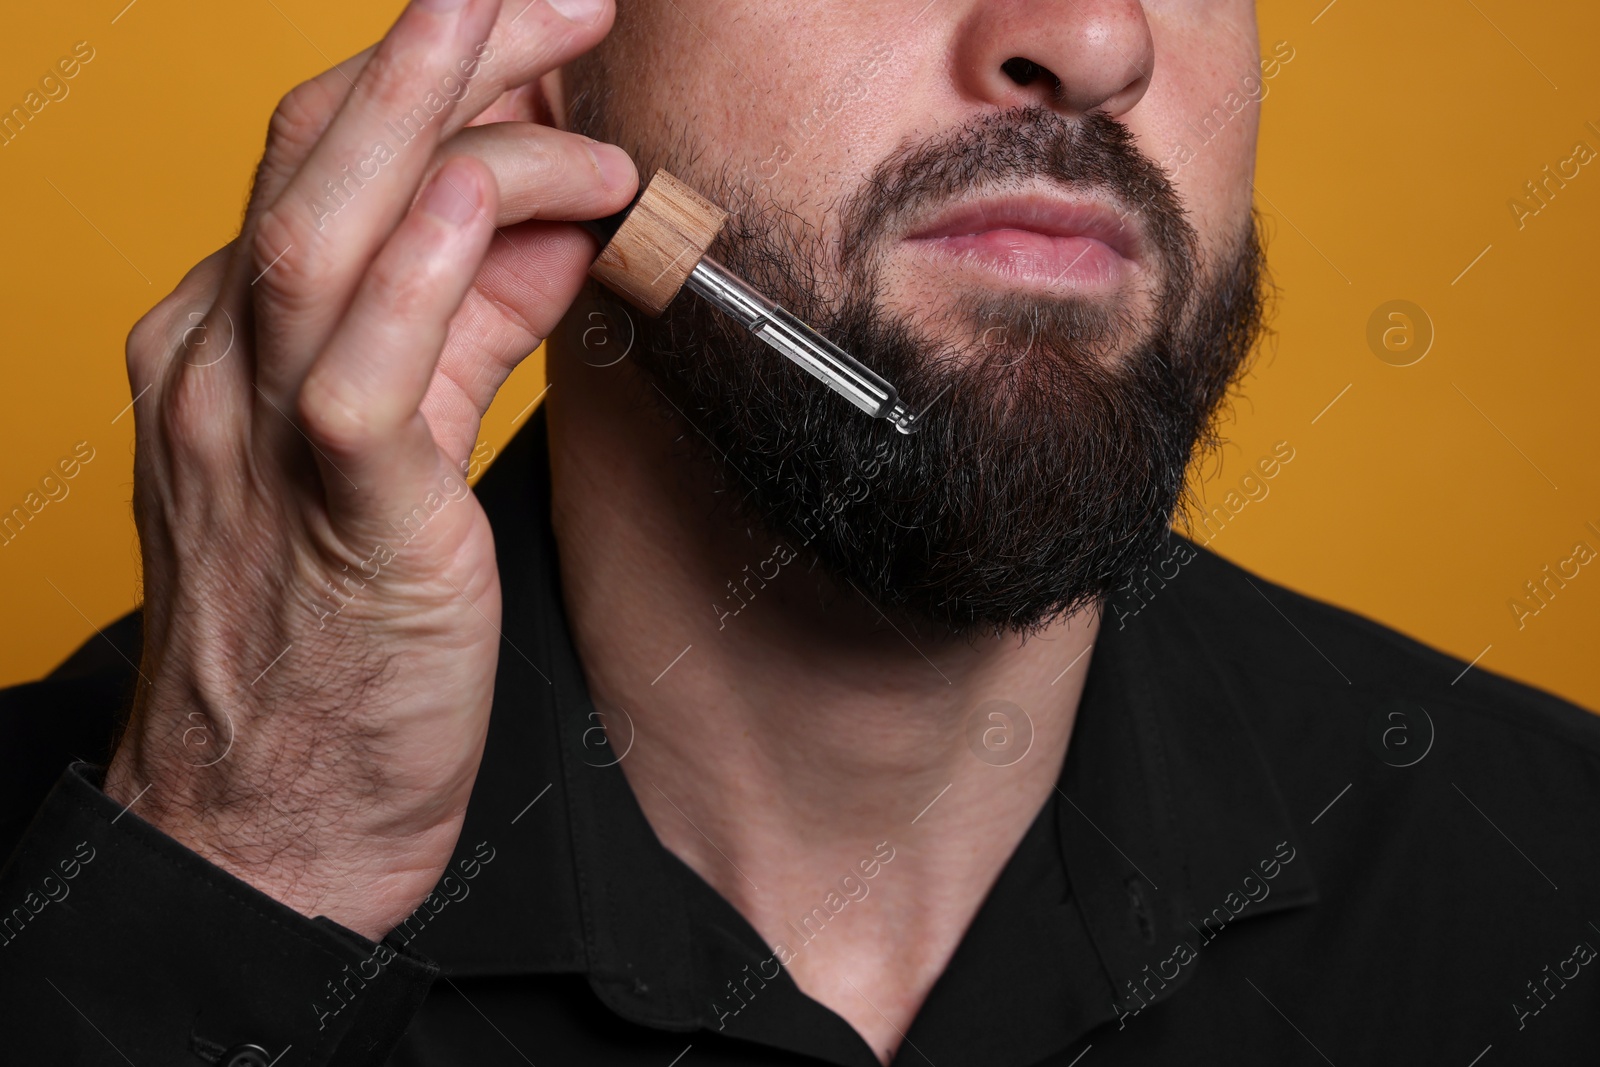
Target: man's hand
point(321, 597)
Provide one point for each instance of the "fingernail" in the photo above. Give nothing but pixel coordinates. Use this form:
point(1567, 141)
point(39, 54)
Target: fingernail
point(616, 169)
point(446, 200)
point(583, 12)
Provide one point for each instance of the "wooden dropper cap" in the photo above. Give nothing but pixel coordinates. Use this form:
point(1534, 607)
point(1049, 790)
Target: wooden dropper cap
point(652, 247)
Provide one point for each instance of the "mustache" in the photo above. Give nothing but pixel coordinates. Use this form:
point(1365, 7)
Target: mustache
point(1094, 153)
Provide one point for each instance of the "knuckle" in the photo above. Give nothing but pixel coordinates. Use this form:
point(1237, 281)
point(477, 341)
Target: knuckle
point(189, 403)
point(393, 77)
point(538, 171)
point(417, 78)
point(168, 324)
point(272, 173)
point(289, 259)
point(298, 120)
point(331, 418)
point(402, 287)
point(148, 343)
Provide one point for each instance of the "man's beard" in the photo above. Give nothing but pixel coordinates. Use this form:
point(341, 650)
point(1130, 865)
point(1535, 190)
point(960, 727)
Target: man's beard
point(1053, 452)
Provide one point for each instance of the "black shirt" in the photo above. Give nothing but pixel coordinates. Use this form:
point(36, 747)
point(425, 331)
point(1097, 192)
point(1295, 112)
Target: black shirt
point(1282, 834)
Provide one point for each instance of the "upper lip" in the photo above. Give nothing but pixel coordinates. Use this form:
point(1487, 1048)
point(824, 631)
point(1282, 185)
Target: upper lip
point(1052, 216)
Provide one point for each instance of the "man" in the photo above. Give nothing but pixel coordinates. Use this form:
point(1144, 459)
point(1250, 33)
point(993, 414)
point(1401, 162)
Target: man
point(732, 726)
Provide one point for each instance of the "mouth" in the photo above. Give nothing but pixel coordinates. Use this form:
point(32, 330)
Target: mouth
point(1036, 241)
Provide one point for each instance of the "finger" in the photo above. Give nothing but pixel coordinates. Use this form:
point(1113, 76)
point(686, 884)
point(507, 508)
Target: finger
point(530, 39)
point(428, 78)
point(532, 272)
point(544, 173)
point(359, 402)
point(303, 115)
point(298, 122)
point(300, 118)
point(315, 240)
point(525, 286)
point(536, 39)
point(522, 104)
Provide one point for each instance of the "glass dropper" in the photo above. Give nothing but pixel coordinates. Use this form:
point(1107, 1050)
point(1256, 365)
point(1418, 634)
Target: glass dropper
point(783, 331)
point(813, 353)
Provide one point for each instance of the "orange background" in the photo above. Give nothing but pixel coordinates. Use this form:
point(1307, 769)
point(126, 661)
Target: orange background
point(1425, 496)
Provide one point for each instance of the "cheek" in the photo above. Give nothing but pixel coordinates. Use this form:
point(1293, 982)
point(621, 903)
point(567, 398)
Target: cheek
point(1200, 119)
point(790, 103)
point(1219, 196)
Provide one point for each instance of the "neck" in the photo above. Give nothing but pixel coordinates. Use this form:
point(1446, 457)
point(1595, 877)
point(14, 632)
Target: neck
point(785, 733)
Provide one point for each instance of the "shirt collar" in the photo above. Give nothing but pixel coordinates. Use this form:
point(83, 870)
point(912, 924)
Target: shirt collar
point(1167, 816)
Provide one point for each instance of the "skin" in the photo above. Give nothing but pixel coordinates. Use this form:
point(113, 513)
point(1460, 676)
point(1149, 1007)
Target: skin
point(796, 738)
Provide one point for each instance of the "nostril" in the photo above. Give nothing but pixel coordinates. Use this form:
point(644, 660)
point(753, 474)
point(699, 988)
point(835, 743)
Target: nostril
point(1025, 72)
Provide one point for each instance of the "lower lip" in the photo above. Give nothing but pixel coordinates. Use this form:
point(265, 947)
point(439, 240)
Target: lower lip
point(1034, 259)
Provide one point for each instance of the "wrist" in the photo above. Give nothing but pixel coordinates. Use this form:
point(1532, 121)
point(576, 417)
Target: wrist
point(365, 883)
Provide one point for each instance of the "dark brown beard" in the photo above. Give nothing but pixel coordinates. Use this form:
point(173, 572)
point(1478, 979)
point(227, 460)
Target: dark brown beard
point(1049, 465)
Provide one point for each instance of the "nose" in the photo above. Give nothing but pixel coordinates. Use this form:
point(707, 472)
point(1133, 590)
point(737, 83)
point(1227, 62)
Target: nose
point(1073, 56)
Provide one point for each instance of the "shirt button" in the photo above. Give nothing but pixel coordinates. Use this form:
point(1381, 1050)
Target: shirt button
point(245, 1056)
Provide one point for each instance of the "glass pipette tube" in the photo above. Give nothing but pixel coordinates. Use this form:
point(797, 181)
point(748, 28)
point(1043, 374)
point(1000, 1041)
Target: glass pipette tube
point(812, 352)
